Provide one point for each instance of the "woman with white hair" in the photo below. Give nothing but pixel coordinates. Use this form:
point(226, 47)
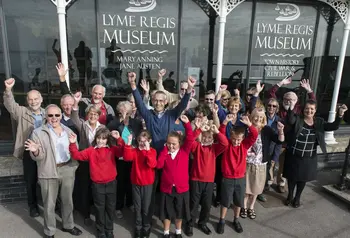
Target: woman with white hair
point(125, 125)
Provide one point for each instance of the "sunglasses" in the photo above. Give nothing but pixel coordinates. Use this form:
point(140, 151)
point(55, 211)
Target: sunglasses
point(209, 99)
point(53, 115)
point(270, 105)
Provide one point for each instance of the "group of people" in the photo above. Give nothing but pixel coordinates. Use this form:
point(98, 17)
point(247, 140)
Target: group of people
point(83, 153)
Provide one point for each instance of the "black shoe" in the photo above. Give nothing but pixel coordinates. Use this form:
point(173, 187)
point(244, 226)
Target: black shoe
point(166, 236)
point(102, 235)
point(178, 236)
point(88, 221)
point(146, 233)
point(220, 229)
point(237, 226)
point(109, 235)
point(137, 234)
point(46, 236)
point(205, 229)
point(74, 232)
point(216, 203)
point(188, 230)
point(296, 203)
point(288, 201)
point(34, 212)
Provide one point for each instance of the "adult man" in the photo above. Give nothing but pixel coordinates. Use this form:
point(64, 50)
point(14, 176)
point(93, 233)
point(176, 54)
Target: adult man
point(67, 102)
point(290, 100)
point(27, 118)
point(171, 97)
point(49, 147)
point(209, 98)
point(98, 92)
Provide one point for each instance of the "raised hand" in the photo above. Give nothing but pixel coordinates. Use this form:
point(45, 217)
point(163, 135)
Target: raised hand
point(132, 77)
point(129, 139)
point(215, 109)
point(184, 119)
point(9, 83)
point(191, 83)
point(286, 81)
point(198, 122)
point(214, 129)
point(72, 138)
point(115, 134)
point(77, 96)
point(31, 146)
point(145, 86)
point(280, 126)
point(205, 127)
point(259, 87)
point(305, 83)
point(223, 87)
point(342, 109)
point(245, 120)
point(161, 73)
point(230, 117)
point(61, 71)
point(237, 93)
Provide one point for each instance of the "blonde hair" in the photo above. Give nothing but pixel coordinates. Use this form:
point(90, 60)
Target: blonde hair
point(225, 94)
point(258, 112)
point(125, 104)
point(234, 100)
point(94, 108)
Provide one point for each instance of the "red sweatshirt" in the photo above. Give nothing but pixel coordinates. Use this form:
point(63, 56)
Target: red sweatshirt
point(203, 167)
point(175, 171)
point(101, 160)
point(144, 163)
point(234, 158)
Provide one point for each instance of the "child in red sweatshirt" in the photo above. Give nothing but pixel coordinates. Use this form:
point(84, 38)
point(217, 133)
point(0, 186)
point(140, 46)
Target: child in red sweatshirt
point(142, 178)
point(101, 157)
point(174, 185)
point(203, 173)
point(233, 170)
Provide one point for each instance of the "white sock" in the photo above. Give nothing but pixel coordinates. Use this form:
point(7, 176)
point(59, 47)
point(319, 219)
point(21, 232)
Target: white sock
point(167, 232)
point(178, 231)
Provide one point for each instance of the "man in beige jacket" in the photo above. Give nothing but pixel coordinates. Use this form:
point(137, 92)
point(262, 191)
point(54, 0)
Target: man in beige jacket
point(49, 147)
point(27, 119)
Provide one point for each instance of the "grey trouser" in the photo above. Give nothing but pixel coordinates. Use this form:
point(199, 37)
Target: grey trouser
point(142, 197)
point(49, 191)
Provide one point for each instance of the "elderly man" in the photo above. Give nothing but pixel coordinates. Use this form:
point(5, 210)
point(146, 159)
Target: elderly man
point(67, 102)
point(49, 147)
point(171, 97)
point(98, 92)
point(27, 118)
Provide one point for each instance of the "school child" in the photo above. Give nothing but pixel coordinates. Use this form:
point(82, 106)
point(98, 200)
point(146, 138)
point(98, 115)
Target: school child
point(174, 185)
point(202, 174)
point(144, 160)
point(101, 157)
point(233, 170)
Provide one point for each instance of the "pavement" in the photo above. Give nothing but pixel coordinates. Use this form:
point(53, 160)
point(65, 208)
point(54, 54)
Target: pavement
point(321, 215)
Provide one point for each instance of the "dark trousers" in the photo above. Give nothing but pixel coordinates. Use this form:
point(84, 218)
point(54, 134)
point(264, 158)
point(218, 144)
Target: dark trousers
point(152, 208)
point(82, 195)
point(218, 178)
point(124, 184)
point(30, 172)
point(104, 201)
point(142, 196)
point(200, 193)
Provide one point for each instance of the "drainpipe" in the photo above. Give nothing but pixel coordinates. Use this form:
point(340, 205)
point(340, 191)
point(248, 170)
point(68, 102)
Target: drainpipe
point(61, 12)
point(329, 136)
point(222, 22)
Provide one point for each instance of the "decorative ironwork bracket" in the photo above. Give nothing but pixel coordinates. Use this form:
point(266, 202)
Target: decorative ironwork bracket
point(340, 6)
point(230, 5)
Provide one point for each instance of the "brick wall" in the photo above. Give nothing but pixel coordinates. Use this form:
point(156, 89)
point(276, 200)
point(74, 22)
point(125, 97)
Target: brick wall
point(12, 189)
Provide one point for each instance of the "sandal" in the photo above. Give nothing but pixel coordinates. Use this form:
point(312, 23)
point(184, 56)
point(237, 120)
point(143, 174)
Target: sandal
point(244, 213)
point(251, 214)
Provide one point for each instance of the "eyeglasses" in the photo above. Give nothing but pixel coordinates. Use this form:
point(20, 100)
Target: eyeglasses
point(209, 99)
point(225, 99)
point(53, 115)
point(183, 89)
point(270, 105)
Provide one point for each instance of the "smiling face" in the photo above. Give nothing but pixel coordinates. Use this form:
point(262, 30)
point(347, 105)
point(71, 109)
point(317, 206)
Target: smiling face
point(236, 138)
point(159, 101)
point(309, 110)
point(233, 108)
point(272, 106)
point(173, 143)
point(183, 89)
point(258, 118)
point(34, 100)
point(92, 116)
point(207, 138)
point(53, 116)
point(210, 100)
point(67, 105)
point(98, 94)
point(101, 142)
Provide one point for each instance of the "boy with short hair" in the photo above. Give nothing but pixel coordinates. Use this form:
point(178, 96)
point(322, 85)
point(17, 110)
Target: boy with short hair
point(233, 170)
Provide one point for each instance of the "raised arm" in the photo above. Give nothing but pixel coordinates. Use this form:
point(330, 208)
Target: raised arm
point(162, 157)
point(129, 153)
point(9, 101)
point(171, 97)
point(177, 111)
point(272, 91)
point(151, 158)
point(62, 74)
point(144, 112)
point(333, 126)
point(79, 155)
point(222, 142)
point(189, 139)
point(252, 134)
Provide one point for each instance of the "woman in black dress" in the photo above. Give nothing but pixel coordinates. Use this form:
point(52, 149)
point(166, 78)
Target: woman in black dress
point(307, 132)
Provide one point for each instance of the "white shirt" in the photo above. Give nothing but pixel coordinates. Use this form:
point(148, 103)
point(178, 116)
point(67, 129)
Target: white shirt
point(65, 117)
point(173, 154)
point(61, 143)
point(92, 132)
